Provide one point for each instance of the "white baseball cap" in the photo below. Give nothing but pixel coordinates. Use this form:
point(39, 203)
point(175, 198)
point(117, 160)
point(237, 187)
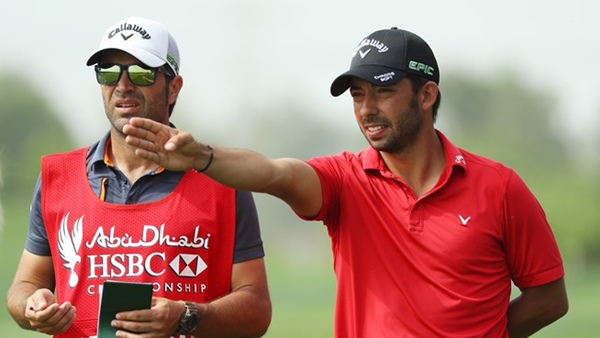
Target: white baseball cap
point(148, 41)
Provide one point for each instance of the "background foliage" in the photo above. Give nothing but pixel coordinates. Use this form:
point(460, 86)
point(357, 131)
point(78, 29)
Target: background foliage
point(499, 116)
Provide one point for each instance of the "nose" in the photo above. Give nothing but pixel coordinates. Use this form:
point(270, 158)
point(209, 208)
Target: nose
point(124, 84)
point(367, 105)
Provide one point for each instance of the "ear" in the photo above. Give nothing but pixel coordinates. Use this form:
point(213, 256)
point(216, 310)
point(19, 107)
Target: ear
point(175, 86)
point(428, 95)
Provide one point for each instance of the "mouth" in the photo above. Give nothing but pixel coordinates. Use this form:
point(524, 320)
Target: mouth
point(373, 131)
point(126, 106)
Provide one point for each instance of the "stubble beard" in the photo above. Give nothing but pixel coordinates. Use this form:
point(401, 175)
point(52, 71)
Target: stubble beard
point(151, 110)
point(405, 132)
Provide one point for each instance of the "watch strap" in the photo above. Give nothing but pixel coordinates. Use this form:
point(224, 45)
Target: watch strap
point(189, 319)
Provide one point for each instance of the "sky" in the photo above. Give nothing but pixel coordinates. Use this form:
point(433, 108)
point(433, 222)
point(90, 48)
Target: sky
point(242, 55)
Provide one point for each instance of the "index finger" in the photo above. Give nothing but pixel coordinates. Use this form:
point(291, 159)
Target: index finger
point(147, 124)
point(142, 315)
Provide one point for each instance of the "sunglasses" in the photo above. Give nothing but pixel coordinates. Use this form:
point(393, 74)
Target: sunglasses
point(109, 75)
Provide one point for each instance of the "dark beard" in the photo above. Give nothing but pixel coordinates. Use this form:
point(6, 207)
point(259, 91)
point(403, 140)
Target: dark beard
point(405, 132)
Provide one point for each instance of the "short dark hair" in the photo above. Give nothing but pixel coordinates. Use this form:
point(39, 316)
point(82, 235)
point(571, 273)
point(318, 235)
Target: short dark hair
point(417, 83)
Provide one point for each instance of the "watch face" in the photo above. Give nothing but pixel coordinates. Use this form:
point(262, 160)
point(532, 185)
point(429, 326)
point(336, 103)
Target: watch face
point(189, 321)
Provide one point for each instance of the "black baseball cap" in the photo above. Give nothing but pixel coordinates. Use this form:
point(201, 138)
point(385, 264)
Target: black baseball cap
point(386, 56)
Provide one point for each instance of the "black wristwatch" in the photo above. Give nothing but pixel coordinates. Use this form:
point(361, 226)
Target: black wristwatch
point(189, 320)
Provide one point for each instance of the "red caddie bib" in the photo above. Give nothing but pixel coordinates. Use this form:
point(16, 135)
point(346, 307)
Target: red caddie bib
point(183, 244)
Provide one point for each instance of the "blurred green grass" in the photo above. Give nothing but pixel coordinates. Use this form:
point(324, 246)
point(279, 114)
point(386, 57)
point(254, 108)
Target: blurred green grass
point(302, 288)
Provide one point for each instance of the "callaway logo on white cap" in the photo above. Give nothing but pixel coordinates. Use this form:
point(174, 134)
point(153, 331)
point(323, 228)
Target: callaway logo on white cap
point(148, 41)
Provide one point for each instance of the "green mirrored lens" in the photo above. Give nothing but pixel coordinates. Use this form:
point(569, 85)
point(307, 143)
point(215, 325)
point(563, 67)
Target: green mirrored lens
point(108, 76)
point(141, 76)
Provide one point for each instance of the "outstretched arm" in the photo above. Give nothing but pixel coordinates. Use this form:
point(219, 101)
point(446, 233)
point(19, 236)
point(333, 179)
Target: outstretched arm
point(536, 308)
point(292, 180)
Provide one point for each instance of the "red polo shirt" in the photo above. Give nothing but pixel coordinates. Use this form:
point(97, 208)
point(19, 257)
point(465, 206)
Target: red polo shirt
point(436, 266)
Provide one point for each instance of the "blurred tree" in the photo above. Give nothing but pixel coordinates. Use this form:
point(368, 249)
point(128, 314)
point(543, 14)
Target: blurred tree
point(502, 116)
point(504, 119)
point(29, 128)
point(288, 129)
point(1, 208)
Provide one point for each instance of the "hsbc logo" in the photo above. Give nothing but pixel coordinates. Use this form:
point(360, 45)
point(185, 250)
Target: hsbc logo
point(100, 263)
point(188, 265)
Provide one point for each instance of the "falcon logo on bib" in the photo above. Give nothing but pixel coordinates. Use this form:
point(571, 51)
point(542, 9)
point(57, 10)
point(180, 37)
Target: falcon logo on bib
point(68, 246)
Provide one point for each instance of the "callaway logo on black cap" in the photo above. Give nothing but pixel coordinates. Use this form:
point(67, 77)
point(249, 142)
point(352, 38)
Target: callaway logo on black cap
point(385, 57)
